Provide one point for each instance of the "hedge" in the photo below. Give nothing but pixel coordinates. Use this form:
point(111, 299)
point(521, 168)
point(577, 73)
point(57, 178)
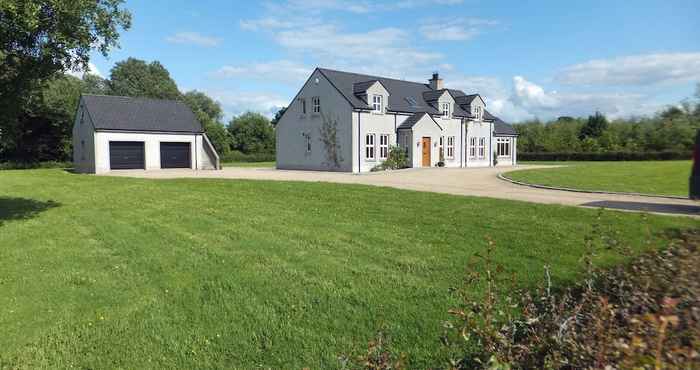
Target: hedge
point(236, 156)
point(31, 165)
point(606, 156)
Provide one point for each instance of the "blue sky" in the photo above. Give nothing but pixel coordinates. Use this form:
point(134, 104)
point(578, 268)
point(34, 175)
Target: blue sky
point(527, 59)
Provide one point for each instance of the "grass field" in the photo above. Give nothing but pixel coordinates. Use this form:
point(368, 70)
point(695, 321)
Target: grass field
point(653, 177)
point(100, 272)
point(248, 164)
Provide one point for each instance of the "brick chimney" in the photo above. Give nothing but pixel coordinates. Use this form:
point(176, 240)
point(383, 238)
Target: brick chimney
point(436, 82)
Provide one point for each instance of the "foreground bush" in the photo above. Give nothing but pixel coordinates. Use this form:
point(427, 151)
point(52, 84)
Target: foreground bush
point(606, 156)
point(397, 159)
point(644, 315)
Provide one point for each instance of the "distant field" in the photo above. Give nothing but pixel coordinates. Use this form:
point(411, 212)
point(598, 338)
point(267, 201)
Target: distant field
point(248, 164)
point(650, 177)
point(104, 272)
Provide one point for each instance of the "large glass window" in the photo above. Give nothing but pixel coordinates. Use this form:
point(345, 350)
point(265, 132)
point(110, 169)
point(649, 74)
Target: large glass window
point(450, 147)
point(472, 147)
point(482, 147)
point(369, 147)
point(503, 147)
point(383, 146)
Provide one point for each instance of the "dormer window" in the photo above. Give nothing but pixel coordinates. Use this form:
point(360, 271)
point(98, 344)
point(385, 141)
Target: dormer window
point(377, 103)
point(478, 112)
point(445, 110)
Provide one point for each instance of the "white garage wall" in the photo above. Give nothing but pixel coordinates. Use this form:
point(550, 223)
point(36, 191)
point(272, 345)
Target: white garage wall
point(151, 147)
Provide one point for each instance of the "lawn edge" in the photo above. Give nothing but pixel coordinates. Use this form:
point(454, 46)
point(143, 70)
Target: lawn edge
point(502, 176)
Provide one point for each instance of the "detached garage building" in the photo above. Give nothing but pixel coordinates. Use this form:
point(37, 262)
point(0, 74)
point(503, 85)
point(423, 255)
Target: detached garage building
point(118, 133)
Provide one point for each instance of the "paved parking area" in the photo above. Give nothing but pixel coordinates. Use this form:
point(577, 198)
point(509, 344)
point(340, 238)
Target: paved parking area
point(482, 182)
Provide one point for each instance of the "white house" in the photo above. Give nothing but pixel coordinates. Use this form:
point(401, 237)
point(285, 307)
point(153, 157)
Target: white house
point(342, 121)
point(116, 132)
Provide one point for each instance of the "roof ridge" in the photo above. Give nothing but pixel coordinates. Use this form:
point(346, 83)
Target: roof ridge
point(132, 97)
point(374, 77)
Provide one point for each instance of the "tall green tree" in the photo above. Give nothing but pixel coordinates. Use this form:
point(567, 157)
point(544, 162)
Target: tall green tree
point(136, 78)
point(94, 84)
point(40, 38)
point(278, 115)
point(594, 127)
point(252, 133)
point(209, 114)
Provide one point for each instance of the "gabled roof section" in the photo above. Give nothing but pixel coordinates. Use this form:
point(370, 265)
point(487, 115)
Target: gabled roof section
point(140, 114)
point(414, 119)
point(466, 99)
point(433, 95)
point(361, 87)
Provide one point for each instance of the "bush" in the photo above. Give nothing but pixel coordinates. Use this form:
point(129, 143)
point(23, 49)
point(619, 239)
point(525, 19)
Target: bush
point(33, 165)
point(236, 156)
point(606, 156)
point(642, 315)
point(396, 159)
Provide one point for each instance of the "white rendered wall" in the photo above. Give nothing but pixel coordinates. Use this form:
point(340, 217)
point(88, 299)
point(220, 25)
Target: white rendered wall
point(151, 147)
point(83, 142)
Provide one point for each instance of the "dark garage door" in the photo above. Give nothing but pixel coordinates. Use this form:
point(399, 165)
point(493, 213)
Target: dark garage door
point(125, 155)
point(175, 155)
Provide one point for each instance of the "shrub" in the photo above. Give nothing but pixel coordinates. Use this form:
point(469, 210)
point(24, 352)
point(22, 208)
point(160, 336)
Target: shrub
point(642, 315)
point(32, 165)
point(236, 156)
point(396, 159)
point(605, 156)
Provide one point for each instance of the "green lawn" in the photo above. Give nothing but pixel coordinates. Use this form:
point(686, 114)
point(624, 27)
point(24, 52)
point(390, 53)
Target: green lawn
point(100, 272)
point(653, 177)
point(248, 164)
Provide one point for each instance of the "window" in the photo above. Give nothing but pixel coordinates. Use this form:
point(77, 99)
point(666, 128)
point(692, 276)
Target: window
point(503, 147)
point(441, 147)
point(82, 117)
point(445, 110)
point(302, 102)
point(383, 146)
point(482, 147)
point(450, 147)
point(478, 112)
point(369, 146)
point(82, 148)
point(308, 142)
point(472, 147)
point(316, 102)
point(412, 102)
point(377, 103)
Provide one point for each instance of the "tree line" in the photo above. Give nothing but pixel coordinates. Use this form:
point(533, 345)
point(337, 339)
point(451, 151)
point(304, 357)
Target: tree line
point(672, 129)
point(40, 41)
point(42, 130)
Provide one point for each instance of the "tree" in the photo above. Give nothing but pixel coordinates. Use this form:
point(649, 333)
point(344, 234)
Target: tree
point(42, 132)
point(278, 115)
point(40, 38)
point(136, 78)
point(94, 84)
point(252, 133)
point(209, 114)
point(594, 127)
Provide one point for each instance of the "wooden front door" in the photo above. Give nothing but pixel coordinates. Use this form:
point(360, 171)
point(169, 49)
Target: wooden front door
point(426, 151)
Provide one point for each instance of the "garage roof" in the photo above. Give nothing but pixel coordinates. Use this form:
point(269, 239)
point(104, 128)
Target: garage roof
point(140, 114)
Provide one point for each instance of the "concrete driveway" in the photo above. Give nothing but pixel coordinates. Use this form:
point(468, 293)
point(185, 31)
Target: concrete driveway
point(482, 182)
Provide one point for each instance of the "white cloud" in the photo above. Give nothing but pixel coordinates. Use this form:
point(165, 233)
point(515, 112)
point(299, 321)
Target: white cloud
point(237, 102)
point(281, 71)
point(634, 70)
point(92, 69)
point(193, 38)
point(459, 29)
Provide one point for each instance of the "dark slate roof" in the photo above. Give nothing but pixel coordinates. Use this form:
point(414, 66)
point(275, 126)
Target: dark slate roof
point(140, 114)
point(502, 128)
point(398, 90)
point(362, 87)
point(412, 120)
